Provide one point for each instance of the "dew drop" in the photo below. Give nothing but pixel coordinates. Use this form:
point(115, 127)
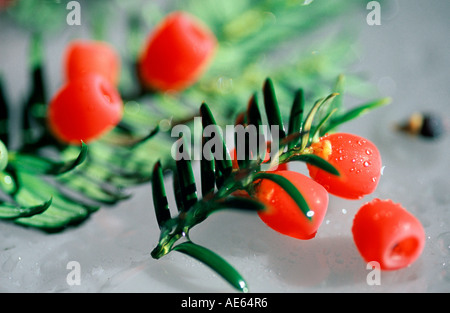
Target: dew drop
point(368, 152)
point(353, 160)
point(366, 164)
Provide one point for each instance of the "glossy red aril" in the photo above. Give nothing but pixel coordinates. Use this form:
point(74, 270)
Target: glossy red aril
point(357, 160)
point(385, 232)
point(89, 56)
point(283, 214)
point(84, 109)
point(177, 53)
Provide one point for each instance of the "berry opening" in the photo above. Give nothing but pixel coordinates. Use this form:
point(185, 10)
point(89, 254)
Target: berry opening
point(105, 93)
point(404, 249)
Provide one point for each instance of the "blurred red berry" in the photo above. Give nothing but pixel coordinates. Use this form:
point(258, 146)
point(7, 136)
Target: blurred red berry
point(177, 53)
point(84, 109)
point(357, 160)
point(88, 56)
point(385, 232)
point(4, 4)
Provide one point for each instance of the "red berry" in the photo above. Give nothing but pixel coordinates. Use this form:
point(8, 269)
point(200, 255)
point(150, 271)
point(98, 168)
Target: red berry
point(385, 232)
point(283, 214)
point(357, 160)
point(177, 53)
point(4, 4)
point(84, 56)
point(84, 109)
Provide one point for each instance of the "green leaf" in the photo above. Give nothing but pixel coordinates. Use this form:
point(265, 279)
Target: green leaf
point(187, 184)
point(38, 165)
point(354, 113)
point(272, 108)
point(215, 262)
point(317, 129)
point(309, 119)
point(10, 211)
point(339, 88)
point(89, 187)
point(253, 118)
point(290, 188)
point(239, 203)
point(296, 117)
point(224, 164)
point(316, 161)
point(207, 174)
point(253, 113)
point(159, 196)
point(136, 142)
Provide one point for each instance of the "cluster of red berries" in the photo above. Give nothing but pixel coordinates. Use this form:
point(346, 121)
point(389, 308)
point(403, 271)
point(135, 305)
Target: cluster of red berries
point(176, 54)
point(382, 230)
point(89, 104)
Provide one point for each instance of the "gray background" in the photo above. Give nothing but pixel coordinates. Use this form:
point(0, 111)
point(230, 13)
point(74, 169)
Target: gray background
point(406, 58)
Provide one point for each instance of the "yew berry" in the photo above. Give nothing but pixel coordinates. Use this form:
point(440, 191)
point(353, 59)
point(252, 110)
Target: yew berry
point(357, 160)
point(84, 109)
point(385, 232)
point(88, 56)
point(283, 214)
point(177, 53)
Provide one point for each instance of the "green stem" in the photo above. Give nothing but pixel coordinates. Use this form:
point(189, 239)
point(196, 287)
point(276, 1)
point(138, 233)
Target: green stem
point(215, 262)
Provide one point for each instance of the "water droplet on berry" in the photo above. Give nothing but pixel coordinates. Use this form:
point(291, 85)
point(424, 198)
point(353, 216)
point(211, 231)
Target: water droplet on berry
point(366, 164)
point(368, 152)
